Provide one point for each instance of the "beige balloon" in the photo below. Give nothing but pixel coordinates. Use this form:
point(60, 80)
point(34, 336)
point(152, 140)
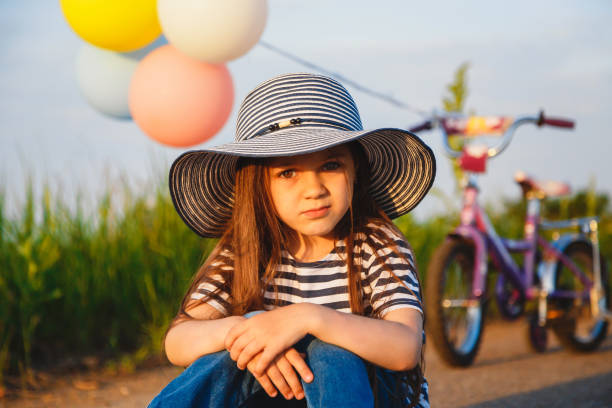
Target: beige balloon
point(214, 31)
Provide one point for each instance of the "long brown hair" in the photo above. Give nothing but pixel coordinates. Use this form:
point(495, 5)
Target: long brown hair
point(254, 236)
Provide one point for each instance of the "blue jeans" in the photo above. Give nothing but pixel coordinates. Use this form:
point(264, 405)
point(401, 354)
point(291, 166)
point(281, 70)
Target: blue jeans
point(340, 380)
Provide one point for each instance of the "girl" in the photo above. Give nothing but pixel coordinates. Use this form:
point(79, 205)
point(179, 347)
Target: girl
point(311, 291)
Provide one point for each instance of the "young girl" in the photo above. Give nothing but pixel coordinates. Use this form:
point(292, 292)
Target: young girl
point(311, 291)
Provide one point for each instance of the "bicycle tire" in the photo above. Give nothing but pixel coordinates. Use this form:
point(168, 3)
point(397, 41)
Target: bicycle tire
point(453, 350)
point(537, 335)
point(575, 318)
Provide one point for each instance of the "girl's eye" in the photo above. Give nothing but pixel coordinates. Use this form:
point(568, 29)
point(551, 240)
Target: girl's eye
point(286, 173)
point(332, 165)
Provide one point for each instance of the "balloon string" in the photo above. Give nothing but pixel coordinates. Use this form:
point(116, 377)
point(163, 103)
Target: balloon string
point(344, 80)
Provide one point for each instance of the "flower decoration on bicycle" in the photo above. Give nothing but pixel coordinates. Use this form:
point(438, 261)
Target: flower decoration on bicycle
point(474, 156)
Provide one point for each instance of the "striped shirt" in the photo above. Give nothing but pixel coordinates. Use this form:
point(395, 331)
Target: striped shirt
point(325, 282)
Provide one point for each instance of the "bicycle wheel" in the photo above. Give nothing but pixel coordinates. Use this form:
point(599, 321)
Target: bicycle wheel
point(576, 327)
point(536, 334)
point(455, 319)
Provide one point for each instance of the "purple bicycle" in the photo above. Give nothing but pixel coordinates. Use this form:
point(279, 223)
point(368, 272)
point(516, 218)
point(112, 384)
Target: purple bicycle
point(565, 277)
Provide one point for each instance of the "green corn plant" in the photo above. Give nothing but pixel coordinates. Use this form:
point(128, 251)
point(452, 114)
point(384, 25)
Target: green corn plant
point(454, 102)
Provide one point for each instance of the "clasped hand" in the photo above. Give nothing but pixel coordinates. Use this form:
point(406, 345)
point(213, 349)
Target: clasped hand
point(264, 345)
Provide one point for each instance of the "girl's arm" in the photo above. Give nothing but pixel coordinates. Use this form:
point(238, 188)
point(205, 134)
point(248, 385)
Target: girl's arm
point(190, 339)
point(393, 343)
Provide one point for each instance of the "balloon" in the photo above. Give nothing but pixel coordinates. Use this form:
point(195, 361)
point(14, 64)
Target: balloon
point(104, 77)
point(179, 101)
point(214, 31)
point(118, 25)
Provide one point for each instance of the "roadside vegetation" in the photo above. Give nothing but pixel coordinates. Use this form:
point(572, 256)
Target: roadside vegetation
point(108, 283)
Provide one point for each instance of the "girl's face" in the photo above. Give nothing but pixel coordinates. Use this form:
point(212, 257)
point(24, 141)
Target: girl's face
point(312, 192)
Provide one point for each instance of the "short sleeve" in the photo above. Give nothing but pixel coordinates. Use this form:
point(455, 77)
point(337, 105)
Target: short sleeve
point(212, 288)
point(390, 274)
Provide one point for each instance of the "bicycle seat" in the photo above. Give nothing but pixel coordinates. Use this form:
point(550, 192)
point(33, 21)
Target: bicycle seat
point(541, 189)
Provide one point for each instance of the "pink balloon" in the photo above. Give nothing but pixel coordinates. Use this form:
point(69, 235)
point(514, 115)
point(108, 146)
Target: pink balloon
point(180, 101)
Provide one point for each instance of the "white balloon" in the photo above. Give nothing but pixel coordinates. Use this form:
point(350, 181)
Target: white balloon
point(213, 31)
point(104, 77)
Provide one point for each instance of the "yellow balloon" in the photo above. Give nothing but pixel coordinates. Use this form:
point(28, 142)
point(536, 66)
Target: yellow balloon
point(118, 25)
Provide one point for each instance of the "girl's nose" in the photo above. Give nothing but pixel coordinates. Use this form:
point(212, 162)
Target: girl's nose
point(313, 186)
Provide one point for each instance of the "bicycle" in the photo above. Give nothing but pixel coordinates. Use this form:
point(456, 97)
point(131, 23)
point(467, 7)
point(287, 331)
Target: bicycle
point(571, 290)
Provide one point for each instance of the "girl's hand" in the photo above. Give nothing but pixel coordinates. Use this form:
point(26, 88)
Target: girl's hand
point(281, 375)
point(269, 333)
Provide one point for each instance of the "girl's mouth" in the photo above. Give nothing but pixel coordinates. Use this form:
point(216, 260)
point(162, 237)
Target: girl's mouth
point(316, 212)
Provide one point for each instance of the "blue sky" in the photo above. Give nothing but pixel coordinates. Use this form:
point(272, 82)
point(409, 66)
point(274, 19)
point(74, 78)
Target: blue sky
point(524, 56)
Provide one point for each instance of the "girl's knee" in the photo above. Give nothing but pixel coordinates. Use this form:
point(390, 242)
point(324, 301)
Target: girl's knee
point(331, 354)
point(211, 380)
point(319, 346)
point(340, 377)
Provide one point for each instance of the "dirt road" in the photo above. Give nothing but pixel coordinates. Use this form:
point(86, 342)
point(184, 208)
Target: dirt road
point(505, 374)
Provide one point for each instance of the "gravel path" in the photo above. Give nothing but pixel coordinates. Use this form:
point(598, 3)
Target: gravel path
point(506, 374)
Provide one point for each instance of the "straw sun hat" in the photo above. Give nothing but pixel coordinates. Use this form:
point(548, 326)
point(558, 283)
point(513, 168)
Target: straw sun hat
point(291, 115)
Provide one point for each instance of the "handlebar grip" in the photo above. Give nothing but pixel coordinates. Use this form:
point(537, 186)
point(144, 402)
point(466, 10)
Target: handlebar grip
point(423, 126)
point(558, 122)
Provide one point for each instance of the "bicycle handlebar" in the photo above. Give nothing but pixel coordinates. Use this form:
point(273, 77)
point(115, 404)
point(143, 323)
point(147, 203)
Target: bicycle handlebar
point(427, 125)
point(539, 120)
point(557, 122)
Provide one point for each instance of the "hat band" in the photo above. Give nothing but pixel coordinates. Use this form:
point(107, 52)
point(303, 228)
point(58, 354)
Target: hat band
point(296, 122)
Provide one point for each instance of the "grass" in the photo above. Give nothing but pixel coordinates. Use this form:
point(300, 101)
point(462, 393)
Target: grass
point(105, 284)
point(107, 281)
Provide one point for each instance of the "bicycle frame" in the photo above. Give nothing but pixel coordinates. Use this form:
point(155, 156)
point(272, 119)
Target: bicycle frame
point(476, 226)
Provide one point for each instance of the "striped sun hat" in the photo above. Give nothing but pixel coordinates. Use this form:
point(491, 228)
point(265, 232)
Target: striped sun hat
point(290, 115)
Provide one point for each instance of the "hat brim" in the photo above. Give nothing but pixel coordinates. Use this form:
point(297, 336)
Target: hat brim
point(402, 170)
